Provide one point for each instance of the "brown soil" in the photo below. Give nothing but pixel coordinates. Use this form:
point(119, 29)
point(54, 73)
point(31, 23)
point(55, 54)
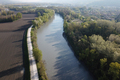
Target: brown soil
point(11, 48)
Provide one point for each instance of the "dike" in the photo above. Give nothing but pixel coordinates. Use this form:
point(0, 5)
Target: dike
point(33, 67)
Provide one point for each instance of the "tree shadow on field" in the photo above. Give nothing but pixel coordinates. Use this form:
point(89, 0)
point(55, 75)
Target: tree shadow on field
point(11, 71)
point(17, 41)
point(15, 63)
point(20, 78)
point(22, 28)
point(3, 31)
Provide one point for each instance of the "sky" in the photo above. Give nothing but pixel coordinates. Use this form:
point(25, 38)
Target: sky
point(83, 2)
point(58, 1)
point(92, 2)
point(27, 0)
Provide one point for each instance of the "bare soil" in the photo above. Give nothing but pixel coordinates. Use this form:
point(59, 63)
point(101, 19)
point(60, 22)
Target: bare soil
point(11, 47)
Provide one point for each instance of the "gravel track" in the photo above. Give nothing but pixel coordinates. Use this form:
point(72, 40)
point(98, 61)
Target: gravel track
point(11, 48)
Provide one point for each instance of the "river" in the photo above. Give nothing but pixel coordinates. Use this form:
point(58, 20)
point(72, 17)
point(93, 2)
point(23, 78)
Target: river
point(60, 62)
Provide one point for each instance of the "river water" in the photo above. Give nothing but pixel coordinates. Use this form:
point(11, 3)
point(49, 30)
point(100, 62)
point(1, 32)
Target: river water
point(60, 62)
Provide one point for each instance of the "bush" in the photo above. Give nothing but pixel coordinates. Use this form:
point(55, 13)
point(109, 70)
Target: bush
point(37, 54)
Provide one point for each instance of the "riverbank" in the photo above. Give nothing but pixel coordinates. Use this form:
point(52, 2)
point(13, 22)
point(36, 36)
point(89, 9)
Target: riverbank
point(38, 56)
point(40, 20)
point(73, 49)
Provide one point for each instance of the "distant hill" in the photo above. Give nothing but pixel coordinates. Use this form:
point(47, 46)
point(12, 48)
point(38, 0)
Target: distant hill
point(118, 18)
point(106, 3)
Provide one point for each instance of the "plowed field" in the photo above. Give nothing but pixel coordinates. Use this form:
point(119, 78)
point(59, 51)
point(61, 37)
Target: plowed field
point(11, 48)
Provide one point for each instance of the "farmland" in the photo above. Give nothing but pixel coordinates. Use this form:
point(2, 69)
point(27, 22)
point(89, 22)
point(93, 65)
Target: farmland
point(11, 47)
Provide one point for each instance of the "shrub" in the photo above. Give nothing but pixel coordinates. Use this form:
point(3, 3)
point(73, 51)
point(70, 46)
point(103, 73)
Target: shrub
point(37, 54)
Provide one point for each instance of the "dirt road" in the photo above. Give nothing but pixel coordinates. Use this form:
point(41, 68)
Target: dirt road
point(11, 48)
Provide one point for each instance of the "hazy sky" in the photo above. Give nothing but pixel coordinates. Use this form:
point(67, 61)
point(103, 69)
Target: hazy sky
point(58, 1)
point(89, 2)
point(27, 0)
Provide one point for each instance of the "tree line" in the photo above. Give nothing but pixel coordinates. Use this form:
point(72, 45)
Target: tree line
point(97, 44)
point(43, 16)
point(5, 13)
point(10, 18)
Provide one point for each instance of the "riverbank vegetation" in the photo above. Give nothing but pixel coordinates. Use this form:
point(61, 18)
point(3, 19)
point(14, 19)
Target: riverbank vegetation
point(43, 16)
point(95, 42)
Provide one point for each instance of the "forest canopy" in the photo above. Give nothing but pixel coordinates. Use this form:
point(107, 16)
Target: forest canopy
point(95, 42)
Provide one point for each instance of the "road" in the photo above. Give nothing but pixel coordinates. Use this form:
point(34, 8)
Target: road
point(11, 48)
